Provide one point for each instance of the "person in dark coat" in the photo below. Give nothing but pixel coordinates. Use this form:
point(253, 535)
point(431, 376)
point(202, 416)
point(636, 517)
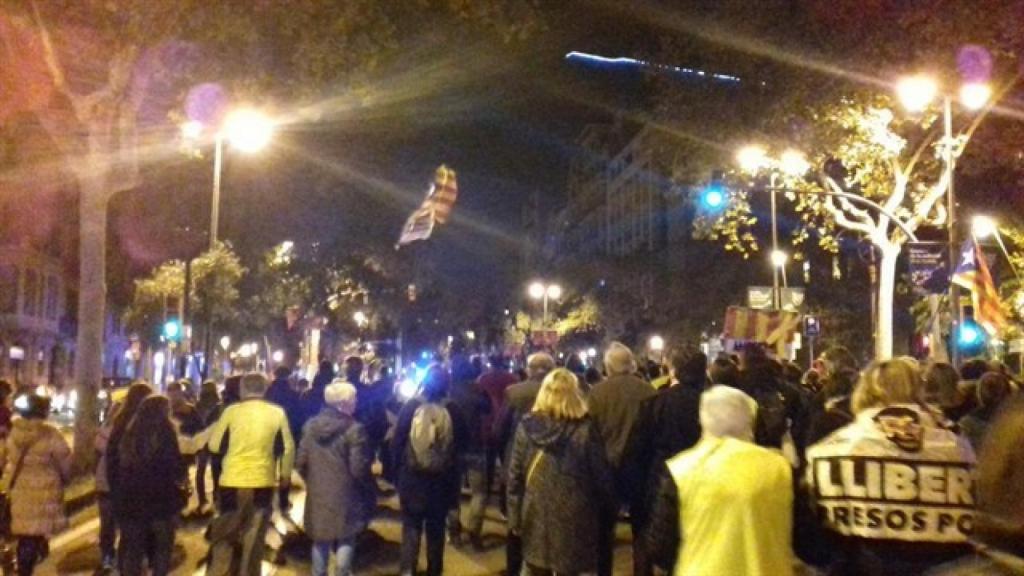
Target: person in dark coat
point(334, 459)
point(208, 407)
point(280, 392)
point(475, 408)
point(426, 497)
point(993, 389)
point(615, 406)
point(560, 481)
point(669, 423)
point(153, 489)
point(371, 409)
point(312, 400)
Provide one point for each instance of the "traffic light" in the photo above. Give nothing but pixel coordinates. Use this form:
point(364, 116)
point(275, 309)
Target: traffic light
point(172, 330)
point(970, 338)
point(714, 196)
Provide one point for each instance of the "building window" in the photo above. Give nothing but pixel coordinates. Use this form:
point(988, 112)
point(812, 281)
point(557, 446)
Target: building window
point(30, 296)
point(8, 289)
point(52, 297)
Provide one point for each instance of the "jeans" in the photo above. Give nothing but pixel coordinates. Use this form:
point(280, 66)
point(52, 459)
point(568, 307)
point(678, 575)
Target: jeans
point(202, 462)
point(108, 528)
point(344, 553)
point(513, 554)
point(476, 476)
point(30, 551)
point(143, 540)
point(412, 529)
point(238, 534)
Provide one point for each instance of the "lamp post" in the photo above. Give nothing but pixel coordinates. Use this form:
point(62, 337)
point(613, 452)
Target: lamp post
point(247, 130)
point(916, 93)
point(545, 292)
point(754, 159)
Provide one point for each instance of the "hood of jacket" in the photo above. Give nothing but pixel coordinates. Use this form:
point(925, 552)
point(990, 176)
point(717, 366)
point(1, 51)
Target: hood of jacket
point(548, 432)
point(24, 431)
point(328, 425)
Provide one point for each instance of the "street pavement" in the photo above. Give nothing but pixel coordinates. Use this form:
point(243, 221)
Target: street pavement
point(75, 551)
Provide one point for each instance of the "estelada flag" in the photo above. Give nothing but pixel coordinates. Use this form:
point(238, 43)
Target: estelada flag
point(435, 209)
point(768, 326)
point(972, 273)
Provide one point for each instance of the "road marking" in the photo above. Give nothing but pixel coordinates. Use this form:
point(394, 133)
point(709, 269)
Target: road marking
point(74, 534)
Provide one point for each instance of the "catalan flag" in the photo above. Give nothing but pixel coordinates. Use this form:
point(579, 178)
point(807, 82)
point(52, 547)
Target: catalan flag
point(435, 209)
point(972, 273)
point(766, 326)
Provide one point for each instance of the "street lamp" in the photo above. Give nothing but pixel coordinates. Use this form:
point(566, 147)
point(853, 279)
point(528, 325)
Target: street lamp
point(545, 292)
point(983, 226)
point(360, 318)
point(917, 93)
point(792, 163)
point(656, 344)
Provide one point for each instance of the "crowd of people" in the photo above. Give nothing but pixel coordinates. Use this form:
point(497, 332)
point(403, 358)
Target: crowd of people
point(740, 465)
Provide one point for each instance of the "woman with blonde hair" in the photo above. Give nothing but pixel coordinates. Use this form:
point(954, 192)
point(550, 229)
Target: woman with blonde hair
point(894, 486)
point(559, 481)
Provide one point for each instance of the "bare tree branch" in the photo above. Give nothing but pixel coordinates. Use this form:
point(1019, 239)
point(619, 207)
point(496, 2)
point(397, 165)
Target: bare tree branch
point(848, 208)
point(50, 55)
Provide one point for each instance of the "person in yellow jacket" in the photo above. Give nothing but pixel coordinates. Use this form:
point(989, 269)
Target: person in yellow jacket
point(725, 506)
point(258, 450)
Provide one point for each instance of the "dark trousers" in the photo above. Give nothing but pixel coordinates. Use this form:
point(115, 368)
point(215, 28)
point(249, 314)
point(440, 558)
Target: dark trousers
point(31, 549)
point(108, 527)
point(412, 529)
point(606, 548)
point(513, 555)
point(237, 535)
point(146, 542)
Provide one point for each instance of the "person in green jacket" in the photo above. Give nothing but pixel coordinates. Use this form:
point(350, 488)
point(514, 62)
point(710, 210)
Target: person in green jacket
point(258, 454)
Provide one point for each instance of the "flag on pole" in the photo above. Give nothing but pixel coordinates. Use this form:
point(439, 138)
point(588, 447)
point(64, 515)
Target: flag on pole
point(972, 273)
point(435, 209)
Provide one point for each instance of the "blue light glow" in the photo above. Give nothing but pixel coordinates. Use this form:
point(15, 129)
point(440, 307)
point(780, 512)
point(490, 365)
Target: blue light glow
point(632, 62)
point(713, 198)
point(969, 335)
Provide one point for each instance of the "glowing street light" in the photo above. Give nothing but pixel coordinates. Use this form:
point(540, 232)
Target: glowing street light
point(752, 159)
point(779, 258)
point(277, 356)
point(917, 92)
point(225, 343)
point(554, 291)
point(248, 130)
point(545, 292)
point(794, 163)
point(975, 95)
point(656, 343)
point(192, 130)
point(360, 318)
point(983, 226)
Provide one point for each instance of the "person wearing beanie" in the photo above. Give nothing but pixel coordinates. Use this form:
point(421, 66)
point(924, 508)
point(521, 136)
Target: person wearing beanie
point(256, 443)
point(334, 459)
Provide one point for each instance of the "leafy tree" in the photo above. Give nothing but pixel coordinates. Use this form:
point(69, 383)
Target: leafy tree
point(213, 295)
point(113, 70)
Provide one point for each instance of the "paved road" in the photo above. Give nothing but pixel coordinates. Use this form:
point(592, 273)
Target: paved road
point(75, 551)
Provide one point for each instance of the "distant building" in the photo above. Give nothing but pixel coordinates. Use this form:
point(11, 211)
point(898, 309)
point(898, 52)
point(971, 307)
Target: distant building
point(617, 208)
point(33, 348)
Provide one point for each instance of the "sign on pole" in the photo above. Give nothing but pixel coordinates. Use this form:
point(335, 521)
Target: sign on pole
point(929, 267)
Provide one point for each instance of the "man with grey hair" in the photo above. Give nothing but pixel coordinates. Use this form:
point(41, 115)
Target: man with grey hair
point(615, 404)
point(256, 443)
point(519, 399)
point(732, 498)
point(334, 458)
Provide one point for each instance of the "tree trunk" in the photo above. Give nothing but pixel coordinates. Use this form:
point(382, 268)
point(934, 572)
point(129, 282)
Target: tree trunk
point(92, 296)
point(886, 292)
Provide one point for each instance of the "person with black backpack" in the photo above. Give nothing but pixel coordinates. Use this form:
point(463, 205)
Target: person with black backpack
point(429, 437)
